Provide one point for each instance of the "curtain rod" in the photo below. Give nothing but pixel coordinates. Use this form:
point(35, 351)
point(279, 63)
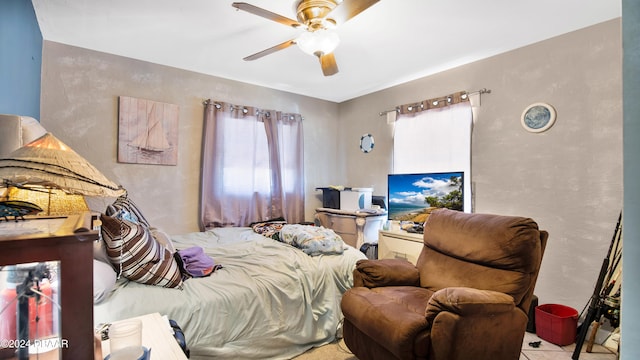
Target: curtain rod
point(480, 91)
point(245, 110)
point(219, 106)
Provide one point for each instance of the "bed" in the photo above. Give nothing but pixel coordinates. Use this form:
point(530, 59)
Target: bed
point(270, 300)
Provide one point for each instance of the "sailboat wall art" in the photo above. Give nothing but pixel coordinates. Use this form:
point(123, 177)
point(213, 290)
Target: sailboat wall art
point(147, 132)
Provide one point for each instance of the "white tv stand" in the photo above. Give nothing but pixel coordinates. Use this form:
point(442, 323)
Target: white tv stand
point(399, 244)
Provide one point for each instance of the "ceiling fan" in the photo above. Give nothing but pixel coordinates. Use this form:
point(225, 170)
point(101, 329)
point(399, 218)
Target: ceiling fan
point(318, 18)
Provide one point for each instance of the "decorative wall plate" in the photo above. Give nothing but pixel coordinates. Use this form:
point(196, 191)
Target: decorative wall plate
point(538, 117)
point(366, 143)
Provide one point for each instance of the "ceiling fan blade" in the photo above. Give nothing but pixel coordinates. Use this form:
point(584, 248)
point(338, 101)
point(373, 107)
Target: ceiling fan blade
point(329, 65)
point(348, 9)
point(270, 50)
point(266, 14)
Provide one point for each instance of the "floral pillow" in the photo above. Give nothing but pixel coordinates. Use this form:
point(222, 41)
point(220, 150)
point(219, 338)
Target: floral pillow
point(312, 240)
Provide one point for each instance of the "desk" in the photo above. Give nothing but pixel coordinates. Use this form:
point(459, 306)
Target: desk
point(157, 336)
point(62, 240)
point(355, 227)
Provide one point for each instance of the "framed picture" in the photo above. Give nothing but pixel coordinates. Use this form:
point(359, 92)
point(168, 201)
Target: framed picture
point(147, 132)
point(538, 117)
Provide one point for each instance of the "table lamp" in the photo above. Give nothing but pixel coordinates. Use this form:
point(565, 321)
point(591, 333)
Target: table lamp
point(49, 162)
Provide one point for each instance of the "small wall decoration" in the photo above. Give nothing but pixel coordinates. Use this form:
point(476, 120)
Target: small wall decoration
point(147, 132)
point(366, 143)
point(538, 117)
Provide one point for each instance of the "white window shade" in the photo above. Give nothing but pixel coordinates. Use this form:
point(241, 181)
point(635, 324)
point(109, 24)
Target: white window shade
point(437, 140)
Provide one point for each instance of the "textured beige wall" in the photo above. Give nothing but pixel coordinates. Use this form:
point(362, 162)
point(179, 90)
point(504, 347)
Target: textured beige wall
point(79, 102)
point(569, 178)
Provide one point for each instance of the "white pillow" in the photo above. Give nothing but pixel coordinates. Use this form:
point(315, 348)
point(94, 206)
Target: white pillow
point(104, 280)
point(100, 251)
point(163, 238)
point(31, 129)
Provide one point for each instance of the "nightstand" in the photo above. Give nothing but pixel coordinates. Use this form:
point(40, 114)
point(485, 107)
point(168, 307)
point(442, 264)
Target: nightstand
point(399, 244)
point(67, 241)
point(156, 336)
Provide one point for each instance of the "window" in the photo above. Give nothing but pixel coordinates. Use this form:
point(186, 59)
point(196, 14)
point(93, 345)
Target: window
point(436, 140)
point(252, 166)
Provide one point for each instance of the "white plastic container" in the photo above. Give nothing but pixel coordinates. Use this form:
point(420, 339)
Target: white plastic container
point(355, 199)
point(125, 340)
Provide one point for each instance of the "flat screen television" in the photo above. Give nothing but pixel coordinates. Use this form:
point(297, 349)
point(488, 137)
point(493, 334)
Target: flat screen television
point(412, 196)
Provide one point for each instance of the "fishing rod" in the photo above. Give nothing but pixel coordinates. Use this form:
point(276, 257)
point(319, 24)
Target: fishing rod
point(597, 302)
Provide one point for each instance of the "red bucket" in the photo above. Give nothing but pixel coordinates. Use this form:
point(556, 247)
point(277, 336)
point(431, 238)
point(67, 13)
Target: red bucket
point(556, 323)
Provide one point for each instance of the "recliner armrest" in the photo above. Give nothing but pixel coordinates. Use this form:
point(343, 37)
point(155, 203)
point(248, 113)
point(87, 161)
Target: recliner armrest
point(467, 301)
point(385, 272)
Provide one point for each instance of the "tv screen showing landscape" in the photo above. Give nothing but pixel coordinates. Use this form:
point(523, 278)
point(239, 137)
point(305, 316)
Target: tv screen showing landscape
point(411, 197)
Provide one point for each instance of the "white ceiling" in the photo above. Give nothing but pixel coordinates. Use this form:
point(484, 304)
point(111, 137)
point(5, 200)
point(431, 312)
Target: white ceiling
point(392, 42)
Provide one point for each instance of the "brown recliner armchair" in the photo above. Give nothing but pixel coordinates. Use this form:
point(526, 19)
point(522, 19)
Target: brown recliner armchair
point(467, 298)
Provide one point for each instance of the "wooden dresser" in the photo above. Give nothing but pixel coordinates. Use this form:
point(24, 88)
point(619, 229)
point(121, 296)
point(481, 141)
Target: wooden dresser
point(355, 227)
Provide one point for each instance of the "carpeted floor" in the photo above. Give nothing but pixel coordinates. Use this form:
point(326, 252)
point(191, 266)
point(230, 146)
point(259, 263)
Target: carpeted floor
point(332, 351)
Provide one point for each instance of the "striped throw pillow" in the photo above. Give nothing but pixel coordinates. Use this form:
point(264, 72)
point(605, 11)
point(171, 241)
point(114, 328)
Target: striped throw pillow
point(124, 203)
point(137, 255)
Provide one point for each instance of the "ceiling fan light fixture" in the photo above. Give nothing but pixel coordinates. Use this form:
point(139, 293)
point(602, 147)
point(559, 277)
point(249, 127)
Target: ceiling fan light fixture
point(319, 18)
point(320, 41)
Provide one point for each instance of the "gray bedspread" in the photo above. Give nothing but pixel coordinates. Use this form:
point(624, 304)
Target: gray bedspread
point(268, 301)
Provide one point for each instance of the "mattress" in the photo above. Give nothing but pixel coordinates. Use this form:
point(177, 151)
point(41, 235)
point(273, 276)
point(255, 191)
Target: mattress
point(269, 299)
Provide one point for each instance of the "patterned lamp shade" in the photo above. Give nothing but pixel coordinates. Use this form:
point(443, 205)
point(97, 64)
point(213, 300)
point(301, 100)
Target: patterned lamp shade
point(53, 202)
point(48, 162)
